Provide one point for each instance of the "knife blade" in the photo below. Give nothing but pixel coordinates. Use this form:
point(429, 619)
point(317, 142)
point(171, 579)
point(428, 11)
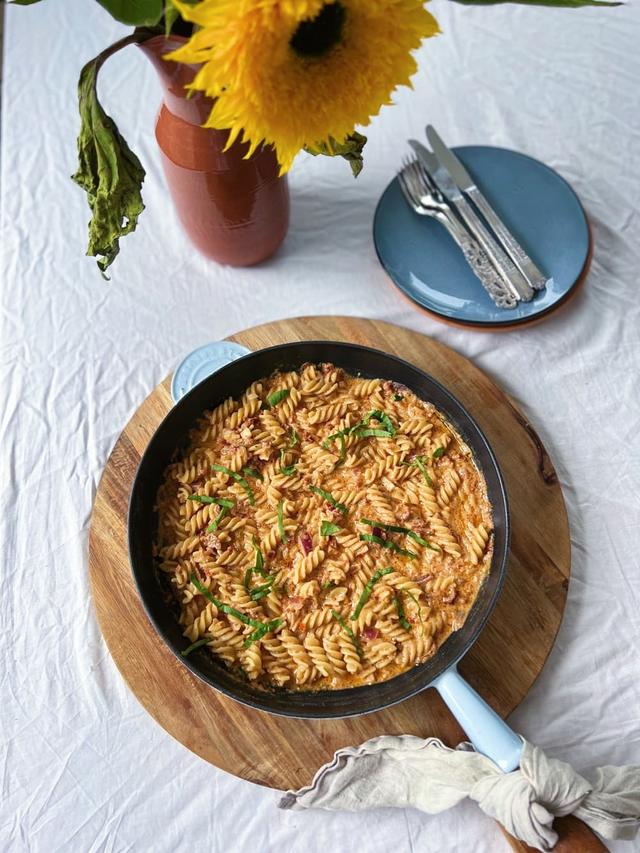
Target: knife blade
point(449, 160)
point(510, 274)
point(465, 182)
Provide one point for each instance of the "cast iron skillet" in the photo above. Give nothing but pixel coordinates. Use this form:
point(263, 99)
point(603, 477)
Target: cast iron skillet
point(232, 380)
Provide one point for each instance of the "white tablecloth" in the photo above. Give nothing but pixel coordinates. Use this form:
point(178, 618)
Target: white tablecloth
point(84, 768)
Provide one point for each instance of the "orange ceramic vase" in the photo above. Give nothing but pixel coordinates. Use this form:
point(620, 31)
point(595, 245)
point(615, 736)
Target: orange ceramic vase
point(235, 211)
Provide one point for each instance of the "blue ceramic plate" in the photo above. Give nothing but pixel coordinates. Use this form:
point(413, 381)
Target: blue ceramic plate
point(537, 205)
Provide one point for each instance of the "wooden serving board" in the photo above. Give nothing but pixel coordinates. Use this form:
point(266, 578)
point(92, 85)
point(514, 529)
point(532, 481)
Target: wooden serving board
point(285, 753)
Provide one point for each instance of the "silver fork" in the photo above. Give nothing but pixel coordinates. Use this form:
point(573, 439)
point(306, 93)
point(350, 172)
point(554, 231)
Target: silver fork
point(425, 200)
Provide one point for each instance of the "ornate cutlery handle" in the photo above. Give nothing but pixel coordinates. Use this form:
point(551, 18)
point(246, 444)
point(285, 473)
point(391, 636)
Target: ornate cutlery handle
point(504, 265)
point(527, 267)
point(479, 262)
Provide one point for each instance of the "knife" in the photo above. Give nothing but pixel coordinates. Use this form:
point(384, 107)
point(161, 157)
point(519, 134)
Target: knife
point(511, 275)
point(465, 182)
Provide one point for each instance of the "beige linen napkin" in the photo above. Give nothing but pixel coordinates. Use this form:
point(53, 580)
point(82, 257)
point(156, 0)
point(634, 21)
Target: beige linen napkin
point(406, 771)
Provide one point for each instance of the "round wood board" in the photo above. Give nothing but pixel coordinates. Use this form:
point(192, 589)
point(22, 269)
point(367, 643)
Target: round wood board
point(285, 753)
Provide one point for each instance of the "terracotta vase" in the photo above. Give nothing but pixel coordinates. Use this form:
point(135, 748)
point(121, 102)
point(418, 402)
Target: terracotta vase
point(234, 211)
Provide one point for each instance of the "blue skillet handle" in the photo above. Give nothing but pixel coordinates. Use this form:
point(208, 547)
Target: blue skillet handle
point(486, 730)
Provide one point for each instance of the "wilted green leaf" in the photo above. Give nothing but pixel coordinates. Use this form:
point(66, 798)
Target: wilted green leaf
point(24, 2)
point(108, 171)
point(350, 149)
point(171, 14)
point(138, 13)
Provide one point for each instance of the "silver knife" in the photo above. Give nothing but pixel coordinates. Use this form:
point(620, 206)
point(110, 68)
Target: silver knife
point(465, 182)
point(511, 275)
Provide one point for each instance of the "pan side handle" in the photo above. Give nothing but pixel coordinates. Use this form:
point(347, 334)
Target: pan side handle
point(487, 731)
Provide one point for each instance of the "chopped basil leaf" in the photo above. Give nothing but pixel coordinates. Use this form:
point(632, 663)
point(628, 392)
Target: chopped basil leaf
point(328, 528)
point(383, 418)
point(438, 452)
point(201, 642)
point(252, 472)
point(331, 500)
point(394, 528)
point(402, 619)
point(281, 530)
point(287, 470)
point(417, 604)
point(343, 445)
point(398, 397)
point(348, 631)
point(385, 543)
point(259, 592)
point(328, 584)
point(205, 499)
point(277, 397)
point(294, 437)
point(373, 433)
point(259, 566)
point(238, 479)
point(225, 608)
point(265, 628)
point(214, 524)
point(366, 592)
point(419, 461)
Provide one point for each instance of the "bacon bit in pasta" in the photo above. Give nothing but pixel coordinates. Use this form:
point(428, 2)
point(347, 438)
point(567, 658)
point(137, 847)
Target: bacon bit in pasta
point(212, 544)
point(450, 595)
point(370, 633)
point(306, 542)
point(377, 531)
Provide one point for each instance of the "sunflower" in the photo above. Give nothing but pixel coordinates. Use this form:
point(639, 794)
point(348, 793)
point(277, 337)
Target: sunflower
point(301, 73)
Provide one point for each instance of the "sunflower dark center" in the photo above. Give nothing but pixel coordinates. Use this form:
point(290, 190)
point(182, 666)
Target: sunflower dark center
point(318, 35)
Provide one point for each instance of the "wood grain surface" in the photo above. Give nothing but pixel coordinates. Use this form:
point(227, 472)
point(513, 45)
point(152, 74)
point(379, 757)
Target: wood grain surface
point(285, 753)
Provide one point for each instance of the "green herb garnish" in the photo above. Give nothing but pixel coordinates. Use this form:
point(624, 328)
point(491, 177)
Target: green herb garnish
point(259, 633)
point(277, 397)
point(394, 528)
point(287, 470)
point(201, 642)
point(385, 543)
point(373, 433)
point(417, 604)
point(402, 619)
point(330, 499)
point(252, 472)
point(281, 530)
point(259, 592)
point(362, 430)
point(438, 452)
point(343, 445)
point(383, 418)
point(214, 524)
point(238, 478)
point(328, 584)
point(259, 566)
point(205, 499)
point(348, 631)
point(294, 437)
point(328, 528)
point(225, 608)
point(398, 397)
point(419, 461)
point(368, 589)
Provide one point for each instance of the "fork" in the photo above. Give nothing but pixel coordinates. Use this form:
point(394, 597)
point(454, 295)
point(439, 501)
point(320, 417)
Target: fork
point(426, 200)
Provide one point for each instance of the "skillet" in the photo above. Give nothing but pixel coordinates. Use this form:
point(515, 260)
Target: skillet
point(486, 729)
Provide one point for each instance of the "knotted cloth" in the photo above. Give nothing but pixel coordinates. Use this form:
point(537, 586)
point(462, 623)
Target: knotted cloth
point(406, 771)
